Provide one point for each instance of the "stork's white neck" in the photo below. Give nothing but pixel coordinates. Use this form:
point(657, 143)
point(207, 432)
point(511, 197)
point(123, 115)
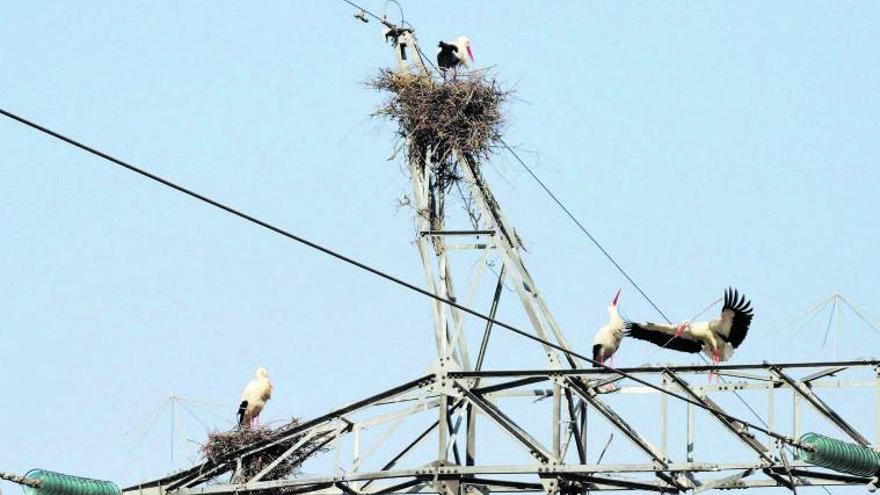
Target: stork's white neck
point(613, 315)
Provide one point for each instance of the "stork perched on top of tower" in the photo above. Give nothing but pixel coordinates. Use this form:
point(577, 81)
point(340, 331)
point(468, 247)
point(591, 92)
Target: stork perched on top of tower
point(452, 54)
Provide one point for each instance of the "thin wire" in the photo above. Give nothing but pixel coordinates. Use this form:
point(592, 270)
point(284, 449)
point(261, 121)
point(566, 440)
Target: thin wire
point(365, 11)
point(584, 230)
point(382, 274)
point(615, 263)
point(399, 8)
point(812, 313)
point(830, 321)
point(859, 314)
point(384, 21)
point(428, 59)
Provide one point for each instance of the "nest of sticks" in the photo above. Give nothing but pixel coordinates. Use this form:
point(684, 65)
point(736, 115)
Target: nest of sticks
point(221, 444)
point(460, 114)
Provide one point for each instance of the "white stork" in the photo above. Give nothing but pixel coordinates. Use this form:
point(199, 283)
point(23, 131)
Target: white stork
point(452, 54)
point(254, 397)
point(717, 338)
point(608, 337)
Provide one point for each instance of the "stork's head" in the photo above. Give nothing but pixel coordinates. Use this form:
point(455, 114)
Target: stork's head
point(262, 373)
point(464, 46)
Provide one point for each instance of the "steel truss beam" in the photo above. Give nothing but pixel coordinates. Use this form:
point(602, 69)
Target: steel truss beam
point(487, 394)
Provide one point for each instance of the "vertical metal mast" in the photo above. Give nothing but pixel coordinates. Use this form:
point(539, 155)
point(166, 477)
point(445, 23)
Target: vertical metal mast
point(491, 233)
point(486, 222)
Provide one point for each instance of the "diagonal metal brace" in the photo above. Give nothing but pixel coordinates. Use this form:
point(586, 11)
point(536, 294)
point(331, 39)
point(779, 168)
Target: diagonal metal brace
point(740, 430)
point(735, 427)
point(535, 448)
point(618, 422)
point(821, 407)
point(589, 395)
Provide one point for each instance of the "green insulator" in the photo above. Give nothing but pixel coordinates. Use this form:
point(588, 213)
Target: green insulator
point(843, 457)
point(52, 483)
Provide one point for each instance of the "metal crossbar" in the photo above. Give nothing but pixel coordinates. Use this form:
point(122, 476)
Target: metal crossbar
point(402, 473)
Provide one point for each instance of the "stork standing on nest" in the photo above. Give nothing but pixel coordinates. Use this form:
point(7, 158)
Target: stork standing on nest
point(717, 338)
point(608, 337)
point(253, 398)
point(450, 55)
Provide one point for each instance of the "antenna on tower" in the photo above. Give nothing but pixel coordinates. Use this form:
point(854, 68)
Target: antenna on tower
point(833, 308)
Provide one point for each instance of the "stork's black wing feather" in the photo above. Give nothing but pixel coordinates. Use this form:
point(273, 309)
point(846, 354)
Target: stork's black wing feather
point(241, 409)
point(597, 355)
point(679, 343)
point(446, 56)
point(742, 315)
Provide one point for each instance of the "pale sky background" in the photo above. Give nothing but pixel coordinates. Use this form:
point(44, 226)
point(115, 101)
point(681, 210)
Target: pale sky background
point(706, 144)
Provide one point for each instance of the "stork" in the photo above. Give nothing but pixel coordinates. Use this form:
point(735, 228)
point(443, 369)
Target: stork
point(452, 54)
point(717, 338)
point(253, 398)
point(608, 337)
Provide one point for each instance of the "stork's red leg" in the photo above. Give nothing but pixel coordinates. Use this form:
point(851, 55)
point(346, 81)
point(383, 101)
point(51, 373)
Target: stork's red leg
point(716, 358)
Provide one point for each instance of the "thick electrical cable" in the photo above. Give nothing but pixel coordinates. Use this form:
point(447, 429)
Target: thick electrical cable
point(380, 273)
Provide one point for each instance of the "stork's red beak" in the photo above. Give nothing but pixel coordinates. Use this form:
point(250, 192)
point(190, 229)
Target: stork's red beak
point(470, 53)
point(614, 301)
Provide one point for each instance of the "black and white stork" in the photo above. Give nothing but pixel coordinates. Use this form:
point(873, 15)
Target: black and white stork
point(253, 398)
point(452, 54)
point(717, 338)
point(608, 337)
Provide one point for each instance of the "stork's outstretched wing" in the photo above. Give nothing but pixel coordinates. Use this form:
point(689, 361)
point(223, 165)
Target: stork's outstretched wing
point(737, 311)
point(662, 335)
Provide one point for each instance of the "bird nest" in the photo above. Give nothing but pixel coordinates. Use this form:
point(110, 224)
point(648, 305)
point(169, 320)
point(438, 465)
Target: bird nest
point(460, 114)
point(222, 444)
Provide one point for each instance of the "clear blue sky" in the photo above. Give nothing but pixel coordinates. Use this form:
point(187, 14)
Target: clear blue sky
point(705, 143)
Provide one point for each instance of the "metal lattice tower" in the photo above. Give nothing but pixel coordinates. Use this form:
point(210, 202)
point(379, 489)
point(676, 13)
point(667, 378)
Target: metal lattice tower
point(461, 429)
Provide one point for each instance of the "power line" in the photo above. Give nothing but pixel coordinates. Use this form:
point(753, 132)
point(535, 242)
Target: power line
point(385, 22)
point(378, 272)
point(623, 272)
point(374, 16)
point(585, 231)
point(427, 59)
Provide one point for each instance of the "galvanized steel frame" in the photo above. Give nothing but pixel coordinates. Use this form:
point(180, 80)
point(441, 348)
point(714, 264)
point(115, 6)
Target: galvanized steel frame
point(461, 391)
point(489, 392)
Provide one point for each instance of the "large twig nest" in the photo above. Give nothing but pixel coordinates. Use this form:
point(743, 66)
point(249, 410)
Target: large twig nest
point(221, 444)
point(437, 117)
